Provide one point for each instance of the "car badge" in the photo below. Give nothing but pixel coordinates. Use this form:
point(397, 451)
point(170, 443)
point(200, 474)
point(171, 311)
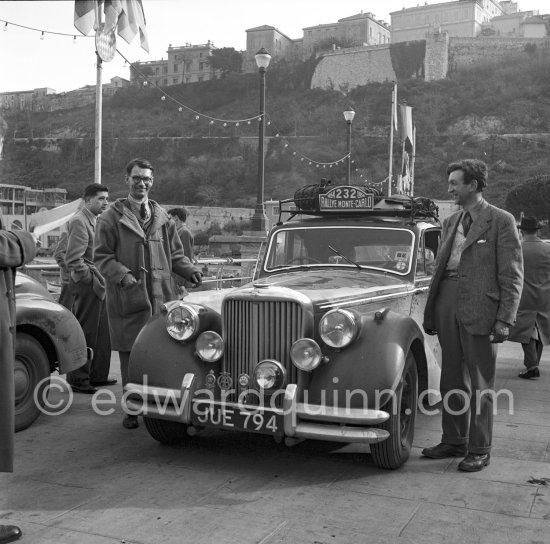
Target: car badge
point(224, 381)
point(210, 380)
point(243, 380)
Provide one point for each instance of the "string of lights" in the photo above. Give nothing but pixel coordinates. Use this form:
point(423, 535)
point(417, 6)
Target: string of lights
point(43, 33)
point(198, 115)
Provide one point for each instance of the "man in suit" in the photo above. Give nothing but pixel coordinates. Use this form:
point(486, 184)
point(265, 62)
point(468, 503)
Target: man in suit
point(16, 249)
point(472, 303)
point(87, 287)
point(532, 327)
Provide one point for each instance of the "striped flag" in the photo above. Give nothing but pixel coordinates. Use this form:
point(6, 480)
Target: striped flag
point(125, 15)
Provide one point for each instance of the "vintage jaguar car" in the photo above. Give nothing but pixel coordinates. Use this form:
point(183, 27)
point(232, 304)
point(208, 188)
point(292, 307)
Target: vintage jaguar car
point(326, 343)
point(48, 338)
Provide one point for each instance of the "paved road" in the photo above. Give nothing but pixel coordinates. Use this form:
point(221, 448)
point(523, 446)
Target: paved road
point(81, 478)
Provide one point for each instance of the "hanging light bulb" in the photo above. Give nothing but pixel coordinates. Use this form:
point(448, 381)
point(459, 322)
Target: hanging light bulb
point(42, 35)
point(237, 124)
point(6, 27)
point(163, 97)
point(197, 117)
point(180, 109)
point(74, 42)
point(225, 124)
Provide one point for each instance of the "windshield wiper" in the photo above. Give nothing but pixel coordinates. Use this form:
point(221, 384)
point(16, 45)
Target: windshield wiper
point(345, 258)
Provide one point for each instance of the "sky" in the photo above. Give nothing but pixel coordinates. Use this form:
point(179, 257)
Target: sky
point(63, 64)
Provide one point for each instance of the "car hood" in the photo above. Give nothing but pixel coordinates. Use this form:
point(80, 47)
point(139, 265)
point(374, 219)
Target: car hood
point(318, 286)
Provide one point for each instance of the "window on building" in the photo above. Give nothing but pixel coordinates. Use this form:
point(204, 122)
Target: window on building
point(165, 69)
point(188, 79)
point(165, 81)
point(175, 67)
point(201, 78)
point(157, 71)
point(174, 81)
point(201, 66)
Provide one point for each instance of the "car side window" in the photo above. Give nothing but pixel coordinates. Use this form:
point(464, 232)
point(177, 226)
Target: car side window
point(427, 250)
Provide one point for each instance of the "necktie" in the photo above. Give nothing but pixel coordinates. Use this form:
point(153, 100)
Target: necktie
point(143, 211)
point(466, 223)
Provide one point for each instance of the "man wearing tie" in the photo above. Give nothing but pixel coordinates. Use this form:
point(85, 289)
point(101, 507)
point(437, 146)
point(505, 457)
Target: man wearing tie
point(473, 300)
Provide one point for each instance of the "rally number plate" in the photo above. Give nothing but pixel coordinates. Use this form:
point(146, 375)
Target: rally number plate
point(230, 416)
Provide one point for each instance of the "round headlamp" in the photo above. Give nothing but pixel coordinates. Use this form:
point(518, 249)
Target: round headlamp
point(209, 346)
point(182, 322)
point(306, 354)
point(338, 328)
point(269, 374)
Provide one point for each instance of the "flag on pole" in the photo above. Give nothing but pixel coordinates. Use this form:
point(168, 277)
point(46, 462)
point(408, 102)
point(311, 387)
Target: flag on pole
point(85, 15)
point(126, 16)
point(394, 106)
point(406, 123)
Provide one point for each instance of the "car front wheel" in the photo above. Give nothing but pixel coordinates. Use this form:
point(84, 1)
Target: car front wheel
point(166, 432)
point(395, 450)
point(32, 377)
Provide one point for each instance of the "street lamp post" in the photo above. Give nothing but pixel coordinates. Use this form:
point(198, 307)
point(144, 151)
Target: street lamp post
point(348, 116)
point(259, 219)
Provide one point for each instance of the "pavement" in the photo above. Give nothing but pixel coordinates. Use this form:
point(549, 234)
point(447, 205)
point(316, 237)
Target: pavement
point(82, 478)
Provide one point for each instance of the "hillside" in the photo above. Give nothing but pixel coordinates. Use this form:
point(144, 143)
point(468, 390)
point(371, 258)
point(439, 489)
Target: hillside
point(497, 112)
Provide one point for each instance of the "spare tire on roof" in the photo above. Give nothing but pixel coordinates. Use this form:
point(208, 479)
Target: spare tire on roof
point(307, 198)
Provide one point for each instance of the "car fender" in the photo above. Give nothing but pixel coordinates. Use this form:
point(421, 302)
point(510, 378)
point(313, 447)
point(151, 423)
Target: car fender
point(359, 374)
point(164, 361)
point(57, 330)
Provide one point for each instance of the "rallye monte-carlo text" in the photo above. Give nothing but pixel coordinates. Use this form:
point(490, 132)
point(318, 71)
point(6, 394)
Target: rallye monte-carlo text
point(326, 343)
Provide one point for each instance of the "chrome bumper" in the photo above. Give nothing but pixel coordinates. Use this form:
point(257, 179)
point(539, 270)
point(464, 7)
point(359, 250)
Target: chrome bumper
point(299, 420)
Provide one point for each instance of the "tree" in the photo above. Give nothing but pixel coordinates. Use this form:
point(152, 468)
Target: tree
point(226, 60)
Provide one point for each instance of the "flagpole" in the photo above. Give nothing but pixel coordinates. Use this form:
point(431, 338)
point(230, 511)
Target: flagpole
point(393, 106)
point(98, 104)
point(412, 159)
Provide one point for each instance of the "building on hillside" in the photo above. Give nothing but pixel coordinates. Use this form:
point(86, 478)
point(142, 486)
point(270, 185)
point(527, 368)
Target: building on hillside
point(24, 100)
point(18, 202)
point(460, 18)
point(185, 64)
point(519, 24)
point(360, 29)
point(279, 45)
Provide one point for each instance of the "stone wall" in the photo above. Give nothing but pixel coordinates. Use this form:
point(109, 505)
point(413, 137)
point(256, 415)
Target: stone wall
point(345, 69)
point(436, 61)
point(464, 52)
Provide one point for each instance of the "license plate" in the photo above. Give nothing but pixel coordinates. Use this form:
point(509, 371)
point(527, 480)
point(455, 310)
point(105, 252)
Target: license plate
point(258, 420)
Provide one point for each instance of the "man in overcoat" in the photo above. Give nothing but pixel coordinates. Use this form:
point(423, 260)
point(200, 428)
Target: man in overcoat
point(472, 303)
point(87, 288)
point(137, 249)
point(16, 249)
point(532, 326)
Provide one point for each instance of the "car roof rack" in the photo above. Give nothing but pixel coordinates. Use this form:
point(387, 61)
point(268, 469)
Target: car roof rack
point(322, 200)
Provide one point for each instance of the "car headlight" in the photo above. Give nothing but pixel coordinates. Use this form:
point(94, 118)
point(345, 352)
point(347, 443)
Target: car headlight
point(182, 322)
point(269, 374)
point(209, 346)
point(306, 354)
point(338, 328)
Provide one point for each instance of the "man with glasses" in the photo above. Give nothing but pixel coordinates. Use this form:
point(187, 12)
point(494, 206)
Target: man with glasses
point(137, 250)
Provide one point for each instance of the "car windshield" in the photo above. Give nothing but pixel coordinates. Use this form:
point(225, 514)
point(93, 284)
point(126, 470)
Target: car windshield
point(380, 248)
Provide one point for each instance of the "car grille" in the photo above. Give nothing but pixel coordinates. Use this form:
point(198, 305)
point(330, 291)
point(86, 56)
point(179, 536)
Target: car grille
point(258, 330)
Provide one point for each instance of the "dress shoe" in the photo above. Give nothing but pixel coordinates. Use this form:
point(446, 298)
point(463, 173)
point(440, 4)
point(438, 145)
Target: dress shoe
point(130, 422)
point(9, 533)
point(88, 389)
point(441, 451)
point(530, 373)
point(474, 462)
point(103, 383)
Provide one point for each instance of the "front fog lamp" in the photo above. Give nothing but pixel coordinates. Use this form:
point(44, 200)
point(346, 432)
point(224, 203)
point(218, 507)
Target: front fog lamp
point(182, 322)
point(306, 354)
point(209, 346)
point(269, 374)
point(338, 328)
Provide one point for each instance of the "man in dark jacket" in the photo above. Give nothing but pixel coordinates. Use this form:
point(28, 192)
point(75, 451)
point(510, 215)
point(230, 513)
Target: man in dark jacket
point(137, 250)
point(87, 288)
point(472, 302)
point(16, 249)
point(532, 326)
